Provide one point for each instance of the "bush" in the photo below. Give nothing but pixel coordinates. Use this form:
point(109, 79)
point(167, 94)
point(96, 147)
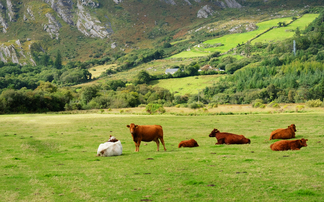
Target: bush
point(154, 108)
point(195, 105)
point(314, 103)
point(273, 104)
point(300, 107)
point(258, 103)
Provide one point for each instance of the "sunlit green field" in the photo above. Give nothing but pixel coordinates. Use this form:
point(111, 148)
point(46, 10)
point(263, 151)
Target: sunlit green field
point(190, 85)
point(52, 158)
point(232, 40)
point(287, 32)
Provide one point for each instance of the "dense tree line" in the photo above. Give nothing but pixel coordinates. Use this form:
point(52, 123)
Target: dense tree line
point(276, 73)
point(113, 94)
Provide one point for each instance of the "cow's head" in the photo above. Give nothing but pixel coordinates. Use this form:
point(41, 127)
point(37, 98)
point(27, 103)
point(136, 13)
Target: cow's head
point(112, 139)
point(247, 141)
point(302, 142)
point(293, 127)
point(132, 127)
point(213, 133)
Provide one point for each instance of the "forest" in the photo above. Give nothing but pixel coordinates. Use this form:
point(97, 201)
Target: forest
point(268, 72)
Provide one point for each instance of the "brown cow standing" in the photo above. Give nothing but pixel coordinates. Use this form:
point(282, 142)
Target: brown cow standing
point(146, 133)
point(188, 143)
point(286, 133)
point(228, 138)
point(283, 145)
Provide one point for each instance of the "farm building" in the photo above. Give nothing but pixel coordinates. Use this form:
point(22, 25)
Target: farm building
point(171, 71)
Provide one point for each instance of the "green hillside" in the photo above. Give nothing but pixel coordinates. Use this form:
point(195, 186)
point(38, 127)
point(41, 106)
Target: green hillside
point(232, 40)
point(187, 85)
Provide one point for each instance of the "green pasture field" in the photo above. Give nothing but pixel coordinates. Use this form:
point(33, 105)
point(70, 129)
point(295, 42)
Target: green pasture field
point(98, 70)
point(153, 68)
point(51, 157)
point(232, 40)
point(186, 85)
point(287, 32)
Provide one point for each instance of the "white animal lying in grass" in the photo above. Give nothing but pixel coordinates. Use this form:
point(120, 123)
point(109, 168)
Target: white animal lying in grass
point(111, 148)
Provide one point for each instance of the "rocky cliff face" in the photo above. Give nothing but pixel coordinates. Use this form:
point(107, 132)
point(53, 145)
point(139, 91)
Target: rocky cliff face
point(89, 25)
point(112, 21)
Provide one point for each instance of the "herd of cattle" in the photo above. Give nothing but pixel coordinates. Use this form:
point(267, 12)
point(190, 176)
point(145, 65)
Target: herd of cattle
point(148, 133)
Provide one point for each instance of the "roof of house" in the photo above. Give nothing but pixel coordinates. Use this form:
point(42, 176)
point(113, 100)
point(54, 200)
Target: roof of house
point(171, 71)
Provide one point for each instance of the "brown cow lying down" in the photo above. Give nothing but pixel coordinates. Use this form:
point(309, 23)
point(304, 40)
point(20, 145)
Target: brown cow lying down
point(146, 133)
point(228, 138)
point(289, 145)
point(286, 133)
point(188, 143)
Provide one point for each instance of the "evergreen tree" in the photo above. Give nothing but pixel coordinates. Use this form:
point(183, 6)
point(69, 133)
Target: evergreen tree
point(58, 61)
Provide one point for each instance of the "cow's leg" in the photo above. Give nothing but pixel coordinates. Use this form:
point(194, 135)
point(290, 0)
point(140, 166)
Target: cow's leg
point(138, 145)
point(135, 146)
point(162, 141)
point(220, 141)
point(157, 144)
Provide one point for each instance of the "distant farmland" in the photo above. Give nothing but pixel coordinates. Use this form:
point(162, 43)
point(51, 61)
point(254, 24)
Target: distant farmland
point(232, 40)
point(190, 85)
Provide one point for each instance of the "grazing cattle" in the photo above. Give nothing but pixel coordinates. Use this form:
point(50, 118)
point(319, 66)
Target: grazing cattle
point(283, 145)
point(286, 133)
point(228, 138)
point(188, 143)
point(146, 133)
point(111, 148)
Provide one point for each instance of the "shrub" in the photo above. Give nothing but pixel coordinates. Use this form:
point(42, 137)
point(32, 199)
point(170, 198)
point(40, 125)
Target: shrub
point(314, 103)
point(142, 105)
point(273, 104)
point(300, 107)
point(195, 105)
point(258, 103)
point(154, 108)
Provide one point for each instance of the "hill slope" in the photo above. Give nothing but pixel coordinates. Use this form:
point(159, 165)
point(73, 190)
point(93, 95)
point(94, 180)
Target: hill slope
point(85, 29)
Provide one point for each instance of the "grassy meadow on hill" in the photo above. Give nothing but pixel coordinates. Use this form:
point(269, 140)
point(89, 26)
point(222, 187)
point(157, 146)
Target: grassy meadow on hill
point(232, 40)
point(190, 85)
point(51, 157)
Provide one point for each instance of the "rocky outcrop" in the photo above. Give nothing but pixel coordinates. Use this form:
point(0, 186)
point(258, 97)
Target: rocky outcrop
point(29, 14)
point(15, 53)
point(11, 13)
point(118, 1)
point(8, 53)
point(89, 25)
point(228, 4)
point(233, 4)
point(53, 26)
point(89, 3)
point(172, 2)
point(205, 11)
point(63, 9)
point(3, 22)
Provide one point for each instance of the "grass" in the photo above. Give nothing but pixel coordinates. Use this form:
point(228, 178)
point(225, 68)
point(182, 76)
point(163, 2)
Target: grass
point(98, 70)
point(187, 85)
point(287, 32)
point(232, 40)
point(52, 157)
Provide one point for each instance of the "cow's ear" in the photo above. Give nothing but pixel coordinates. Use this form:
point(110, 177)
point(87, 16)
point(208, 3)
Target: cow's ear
point(136, 126)
point(306, 140)
point(127, 126)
